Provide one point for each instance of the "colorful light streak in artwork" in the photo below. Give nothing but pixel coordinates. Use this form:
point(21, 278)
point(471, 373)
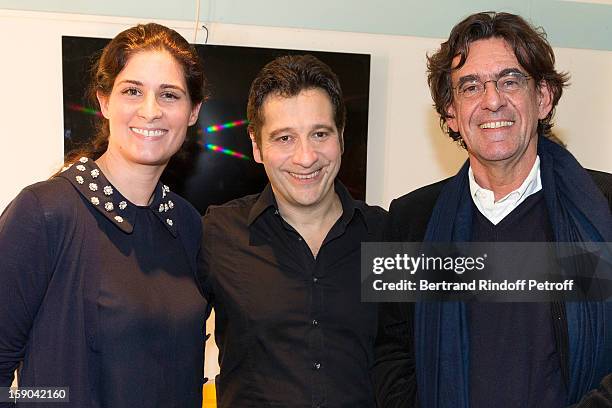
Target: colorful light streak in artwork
point(83, 109)
point(220, 149)
point(209, 129)
point(228, 125)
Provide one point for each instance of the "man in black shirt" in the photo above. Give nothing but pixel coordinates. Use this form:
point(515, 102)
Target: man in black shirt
point(283, 267)
point(495, 88)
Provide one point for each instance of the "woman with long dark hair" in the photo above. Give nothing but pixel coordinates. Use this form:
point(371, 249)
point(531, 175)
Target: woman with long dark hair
point(97, 282)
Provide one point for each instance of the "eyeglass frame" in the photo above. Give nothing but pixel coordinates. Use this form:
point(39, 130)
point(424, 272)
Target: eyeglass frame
point(473, 79)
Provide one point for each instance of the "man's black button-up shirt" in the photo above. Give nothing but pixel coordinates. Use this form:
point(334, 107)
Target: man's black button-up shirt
point(291, 329)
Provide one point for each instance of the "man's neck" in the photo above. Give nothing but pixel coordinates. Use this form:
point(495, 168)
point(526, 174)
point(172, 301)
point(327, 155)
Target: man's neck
point(314, 222)
point(502, 177)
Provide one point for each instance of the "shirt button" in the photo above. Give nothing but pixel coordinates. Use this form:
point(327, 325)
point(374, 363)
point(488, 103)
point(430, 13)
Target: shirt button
point(315, 279)
point(299, 238)
point(315, 322)
point(317, 366)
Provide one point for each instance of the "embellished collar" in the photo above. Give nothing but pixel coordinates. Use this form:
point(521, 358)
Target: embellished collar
point(90, 182)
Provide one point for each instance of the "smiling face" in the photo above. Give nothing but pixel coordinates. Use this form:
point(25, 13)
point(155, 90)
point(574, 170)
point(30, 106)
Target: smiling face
point(300, 148)
point(495, 126)
point(148, 109)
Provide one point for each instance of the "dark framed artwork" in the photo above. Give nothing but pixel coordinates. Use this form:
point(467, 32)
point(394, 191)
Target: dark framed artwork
point(216, 163)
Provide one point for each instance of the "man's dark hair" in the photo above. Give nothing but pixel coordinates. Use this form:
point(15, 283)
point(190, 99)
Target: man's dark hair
point(287, 76)
point(530, 47)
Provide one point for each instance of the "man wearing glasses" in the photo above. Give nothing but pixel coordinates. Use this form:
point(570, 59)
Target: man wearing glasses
point(495, 88)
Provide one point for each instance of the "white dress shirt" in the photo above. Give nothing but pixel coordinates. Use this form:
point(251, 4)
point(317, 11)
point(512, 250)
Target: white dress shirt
point(495, 211)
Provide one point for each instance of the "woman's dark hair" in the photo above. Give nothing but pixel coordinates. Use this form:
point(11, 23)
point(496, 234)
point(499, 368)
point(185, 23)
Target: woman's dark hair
point(115, 56)
point(530, 47)
point(287, 76)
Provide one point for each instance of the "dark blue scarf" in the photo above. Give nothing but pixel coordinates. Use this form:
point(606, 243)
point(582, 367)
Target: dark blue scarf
point(578, 213)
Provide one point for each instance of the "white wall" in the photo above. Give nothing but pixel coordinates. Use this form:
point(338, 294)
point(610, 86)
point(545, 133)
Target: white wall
point(406, 148)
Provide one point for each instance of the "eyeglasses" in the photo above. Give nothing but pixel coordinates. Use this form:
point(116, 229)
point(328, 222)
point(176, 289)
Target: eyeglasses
point(506, 84)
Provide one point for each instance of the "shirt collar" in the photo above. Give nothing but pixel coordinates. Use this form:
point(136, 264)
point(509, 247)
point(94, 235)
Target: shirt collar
point(264, 201)
point(90, 182)
point(495, 211)
point(267, 201)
